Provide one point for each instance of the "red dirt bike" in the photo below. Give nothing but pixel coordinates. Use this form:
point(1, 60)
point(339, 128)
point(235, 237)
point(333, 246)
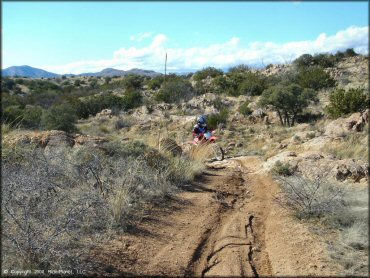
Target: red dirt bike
point(208, 138)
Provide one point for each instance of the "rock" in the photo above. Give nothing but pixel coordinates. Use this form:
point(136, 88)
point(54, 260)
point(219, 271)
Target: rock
point(282, 146)
point(259, 113)
point(266, 120)
point(105, 113)
point(312, 156)
point(349, 169)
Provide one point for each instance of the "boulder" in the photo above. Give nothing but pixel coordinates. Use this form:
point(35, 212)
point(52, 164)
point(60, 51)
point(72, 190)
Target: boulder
point(350, 169)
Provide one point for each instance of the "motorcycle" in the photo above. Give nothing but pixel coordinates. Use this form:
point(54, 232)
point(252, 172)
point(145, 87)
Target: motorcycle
point(209, 139)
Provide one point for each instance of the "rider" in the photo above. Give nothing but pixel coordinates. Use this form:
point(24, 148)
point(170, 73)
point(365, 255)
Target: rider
point(201, 127)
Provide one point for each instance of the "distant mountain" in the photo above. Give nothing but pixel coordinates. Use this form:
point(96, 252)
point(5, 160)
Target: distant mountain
point(28, 71)
point(31, 72)
point(115, 72)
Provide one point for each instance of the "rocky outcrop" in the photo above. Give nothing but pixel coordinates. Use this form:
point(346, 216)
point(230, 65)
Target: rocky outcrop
point(312, 163)
point(354, 123)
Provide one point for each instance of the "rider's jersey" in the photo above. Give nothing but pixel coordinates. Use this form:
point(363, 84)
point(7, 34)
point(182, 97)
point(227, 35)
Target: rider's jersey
point(199, 129)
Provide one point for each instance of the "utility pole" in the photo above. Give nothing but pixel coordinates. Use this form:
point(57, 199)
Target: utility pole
point(165, 69)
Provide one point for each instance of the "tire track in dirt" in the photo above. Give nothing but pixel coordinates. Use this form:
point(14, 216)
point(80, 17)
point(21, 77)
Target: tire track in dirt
point(225, 224)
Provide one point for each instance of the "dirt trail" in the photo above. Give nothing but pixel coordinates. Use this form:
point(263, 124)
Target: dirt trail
point(227, 224)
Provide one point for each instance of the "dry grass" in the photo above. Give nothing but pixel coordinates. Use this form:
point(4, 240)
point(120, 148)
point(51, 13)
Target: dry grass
point(200, 153)
point(351, 249)
point(352, 146)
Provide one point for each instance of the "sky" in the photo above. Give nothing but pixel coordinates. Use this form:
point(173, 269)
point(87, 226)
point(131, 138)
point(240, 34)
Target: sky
point(76, 37)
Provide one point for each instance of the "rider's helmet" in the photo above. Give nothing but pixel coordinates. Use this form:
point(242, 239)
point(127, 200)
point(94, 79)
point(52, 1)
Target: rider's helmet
point(201, 120)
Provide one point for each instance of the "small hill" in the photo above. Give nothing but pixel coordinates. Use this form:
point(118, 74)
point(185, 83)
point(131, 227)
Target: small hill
point(27, 71)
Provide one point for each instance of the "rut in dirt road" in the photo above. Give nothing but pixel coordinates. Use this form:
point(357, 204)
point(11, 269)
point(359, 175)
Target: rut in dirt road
point(230, 245)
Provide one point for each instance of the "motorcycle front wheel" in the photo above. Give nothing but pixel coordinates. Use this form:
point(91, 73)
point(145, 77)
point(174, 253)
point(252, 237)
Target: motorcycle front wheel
point(218, 152)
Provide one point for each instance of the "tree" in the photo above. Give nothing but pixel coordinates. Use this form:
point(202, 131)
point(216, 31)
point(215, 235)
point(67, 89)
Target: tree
point(345, 102)
point(288, 101)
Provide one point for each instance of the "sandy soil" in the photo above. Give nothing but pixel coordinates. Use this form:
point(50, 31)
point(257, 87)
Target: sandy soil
point(226, 224)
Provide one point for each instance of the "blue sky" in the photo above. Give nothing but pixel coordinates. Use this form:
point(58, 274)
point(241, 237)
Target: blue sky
point(76, 37)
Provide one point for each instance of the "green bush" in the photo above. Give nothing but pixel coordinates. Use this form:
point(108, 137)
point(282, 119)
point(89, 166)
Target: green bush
point(244, 109)
point(131, 99)
point(175, 91)
point(345, 102)
point(204, 73)
point(133, 82)
point(59, 117)
point(220, 84)
point(324, 60)
point(239, 69)
point(32, 116)
point(304, 61)
point(282, 169)
point(155, 83)
point(252, 85)
point(315, 78)
point(12, 114)
point(214, 120)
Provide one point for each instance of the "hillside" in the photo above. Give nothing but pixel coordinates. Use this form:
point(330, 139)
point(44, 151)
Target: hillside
point(28, 71)
point(118, 188)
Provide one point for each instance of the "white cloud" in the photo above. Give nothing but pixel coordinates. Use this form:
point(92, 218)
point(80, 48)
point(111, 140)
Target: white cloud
point(221, 55)
point(141, 36)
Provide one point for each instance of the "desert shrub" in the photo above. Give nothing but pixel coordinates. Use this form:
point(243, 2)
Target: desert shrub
point(220, 84)
point(218, 103)
point(310, 196)
point(288, 101)
point(131, 99)
point(244, 108)
point(7, 83)
point(47, 211)
point(59, 117)
point(155, 83)
point(32, 116)
point(350, 52)
point(239, 69)
point(252, 85)
point(315, 78)
point(122, 123)
point(175, 91)
point(324, 60)
point(107, 79)
point(94, 83)
point(304, 61)
point(204, 73)
point(213, 120)
point(43, 98)
point(133, 82)
point(282, 169)
point(77, 82)
point(94, 104)
point(12, 114)
point(344, 102)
